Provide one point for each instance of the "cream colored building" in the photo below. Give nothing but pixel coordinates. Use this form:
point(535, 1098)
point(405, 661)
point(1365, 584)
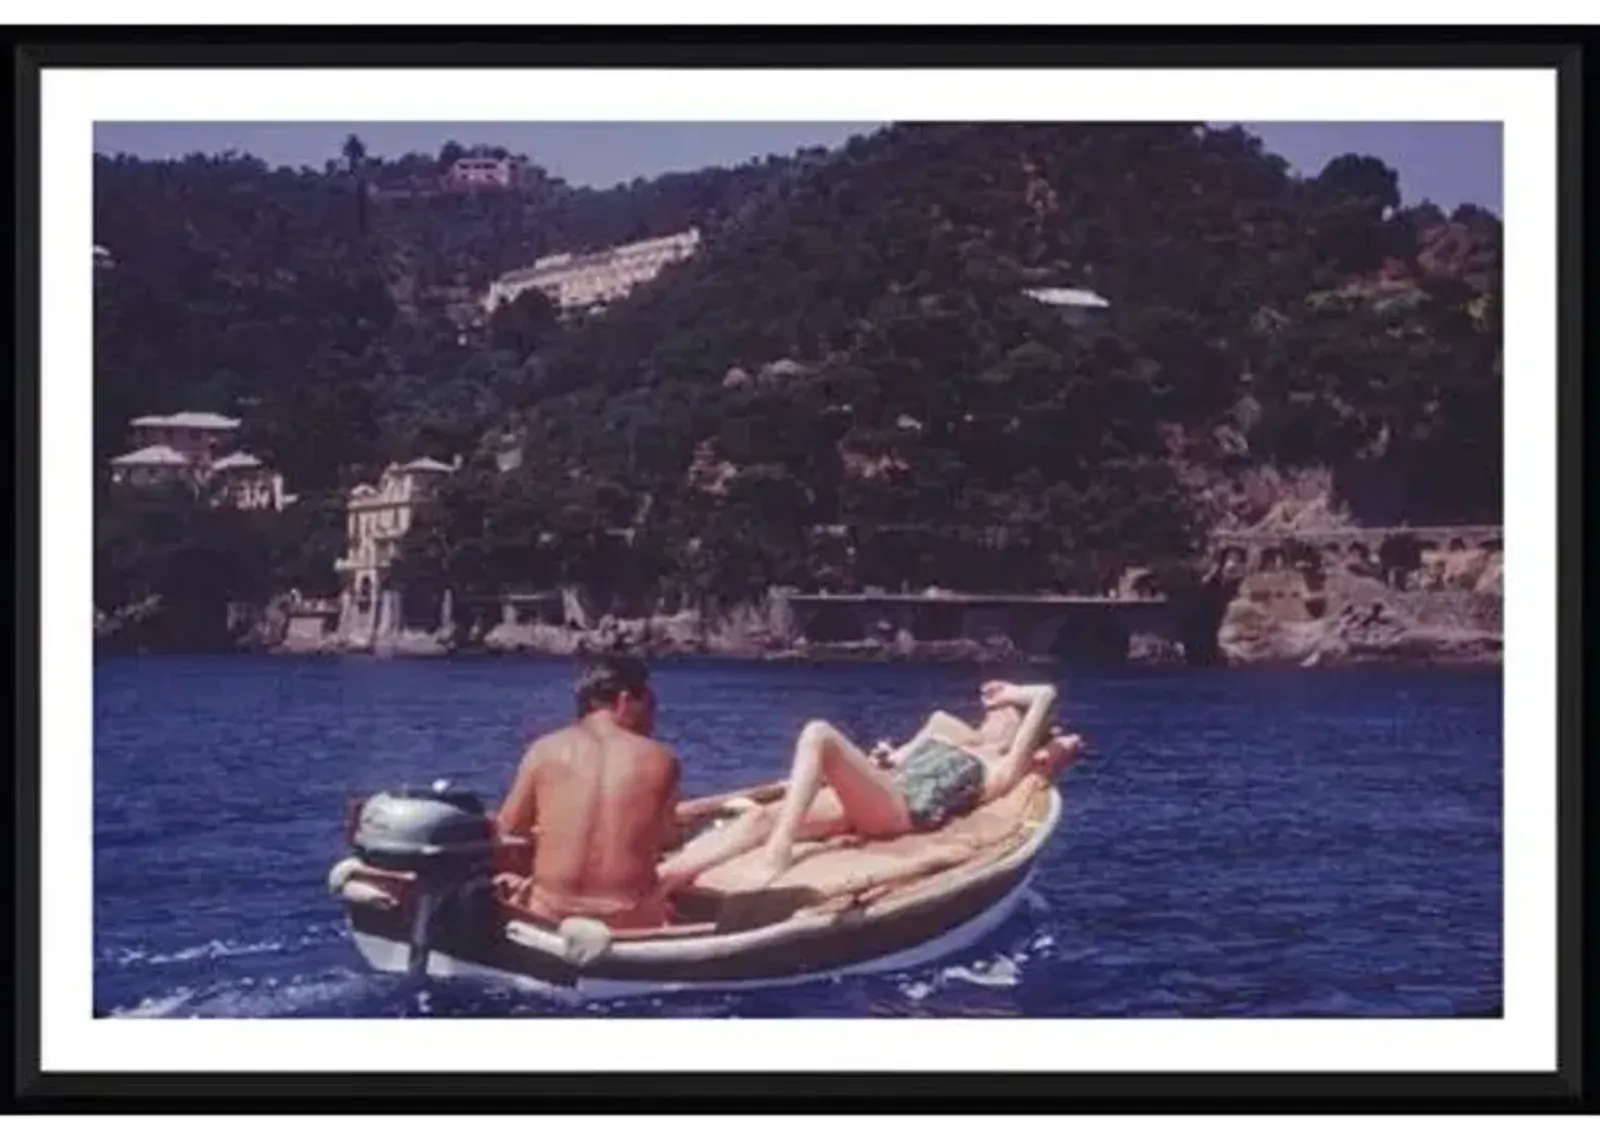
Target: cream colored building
point(577, 282)
point(377, 517)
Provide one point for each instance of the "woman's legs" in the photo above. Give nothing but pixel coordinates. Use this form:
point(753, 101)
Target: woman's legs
point(871, 802)
point(824, 818)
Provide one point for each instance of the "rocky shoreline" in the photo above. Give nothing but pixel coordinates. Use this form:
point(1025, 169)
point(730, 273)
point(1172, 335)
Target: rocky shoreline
point(1314, 619)
point(1285, 619)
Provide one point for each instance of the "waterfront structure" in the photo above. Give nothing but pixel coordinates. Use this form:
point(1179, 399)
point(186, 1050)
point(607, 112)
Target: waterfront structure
point(1268, 549)
point(583, 282)
point(377, 518)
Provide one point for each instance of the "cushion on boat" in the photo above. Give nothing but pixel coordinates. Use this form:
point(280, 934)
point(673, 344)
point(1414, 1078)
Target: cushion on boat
point(847, 866)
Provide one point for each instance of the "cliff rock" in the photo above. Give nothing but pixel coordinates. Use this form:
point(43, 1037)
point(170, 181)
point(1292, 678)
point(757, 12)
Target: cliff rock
point(1294, 618)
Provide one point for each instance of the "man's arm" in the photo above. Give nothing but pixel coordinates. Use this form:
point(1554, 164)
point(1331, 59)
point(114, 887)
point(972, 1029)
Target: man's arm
point(519, 811)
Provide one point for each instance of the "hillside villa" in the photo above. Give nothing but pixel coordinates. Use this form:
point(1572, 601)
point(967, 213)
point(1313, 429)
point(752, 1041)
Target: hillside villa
point(185, 447)
point(476, 172)
point(582, 282)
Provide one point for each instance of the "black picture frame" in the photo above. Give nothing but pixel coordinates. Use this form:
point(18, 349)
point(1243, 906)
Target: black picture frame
point(1569, 1088)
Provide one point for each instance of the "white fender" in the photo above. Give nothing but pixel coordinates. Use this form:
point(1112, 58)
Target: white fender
point(583, 940)
point(341, 884)
point(365, 893)
point(341, 873)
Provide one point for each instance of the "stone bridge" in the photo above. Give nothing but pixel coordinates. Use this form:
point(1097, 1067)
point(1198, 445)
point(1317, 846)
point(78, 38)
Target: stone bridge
point(1075, 627)
point(1265, 550)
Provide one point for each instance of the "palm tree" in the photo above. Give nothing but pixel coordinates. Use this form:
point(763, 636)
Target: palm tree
point(355, 153)
point(355, 157)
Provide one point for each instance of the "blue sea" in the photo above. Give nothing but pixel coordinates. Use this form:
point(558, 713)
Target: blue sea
point(1236, 843)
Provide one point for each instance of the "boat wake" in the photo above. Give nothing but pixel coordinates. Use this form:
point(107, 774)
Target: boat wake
point(247, 981)
point(333, 994)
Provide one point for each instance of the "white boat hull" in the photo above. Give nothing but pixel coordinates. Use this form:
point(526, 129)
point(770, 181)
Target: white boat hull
point(392, 956)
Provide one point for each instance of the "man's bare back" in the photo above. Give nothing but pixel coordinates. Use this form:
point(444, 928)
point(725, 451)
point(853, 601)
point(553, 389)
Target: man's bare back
point(598, 799)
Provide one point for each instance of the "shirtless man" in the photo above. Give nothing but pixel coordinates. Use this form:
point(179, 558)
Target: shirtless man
point(598, 798)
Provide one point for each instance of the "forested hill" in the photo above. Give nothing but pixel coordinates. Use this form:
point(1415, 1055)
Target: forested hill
point(1249, 309)
point(854, 344)
point(318, 303)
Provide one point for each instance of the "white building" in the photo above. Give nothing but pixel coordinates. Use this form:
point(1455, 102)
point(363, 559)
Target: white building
point(247, 483)
point(476, 171)
point(1081, 308)
point(1068, 297)
point(377, 517)
point(576, 282)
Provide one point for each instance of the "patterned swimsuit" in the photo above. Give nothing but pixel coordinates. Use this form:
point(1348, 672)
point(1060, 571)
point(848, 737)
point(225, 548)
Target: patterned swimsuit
point(939, 781)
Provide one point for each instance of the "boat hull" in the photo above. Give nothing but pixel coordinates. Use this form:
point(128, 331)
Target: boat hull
point(845, 907)
point(386, 948)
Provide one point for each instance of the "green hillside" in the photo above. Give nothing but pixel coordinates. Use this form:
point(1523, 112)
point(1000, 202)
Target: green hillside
point(853, 346)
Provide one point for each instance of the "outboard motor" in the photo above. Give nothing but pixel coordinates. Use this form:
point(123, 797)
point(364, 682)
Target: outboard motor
point(445, 838)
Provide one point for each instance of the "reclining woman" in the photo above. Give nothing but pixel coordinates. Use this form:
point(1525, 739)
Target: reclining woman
point(946, 769)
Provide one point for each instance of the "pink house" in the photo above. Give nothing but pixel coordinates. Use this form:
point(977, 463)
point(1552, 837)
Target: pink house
point(477, 171)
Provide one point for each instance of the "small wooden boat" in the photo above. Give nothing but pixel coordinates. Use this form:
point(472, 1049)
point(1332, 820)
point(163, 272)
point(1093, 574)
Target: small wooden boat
point(421, 897)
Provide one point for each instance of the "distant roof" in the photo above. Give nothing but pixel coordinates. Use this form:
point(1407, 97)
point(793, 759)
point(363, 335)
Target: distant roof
point(425, 464)
point(153, 454)
point(784, 367)
point(1062, 296)
point(238, 460)
point(186, 421)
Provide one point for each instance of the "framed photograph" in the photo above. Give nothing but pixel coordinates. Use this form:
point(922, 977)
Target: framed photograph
point(675, 570)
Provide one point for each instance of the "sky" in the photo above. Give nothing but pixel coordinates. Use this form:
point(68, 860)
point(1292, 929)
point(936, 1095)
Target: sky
point(1449, 163)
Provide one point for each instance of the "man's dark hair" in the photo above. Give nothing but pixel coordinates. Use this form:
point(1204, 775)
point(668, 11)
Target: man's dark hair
point(603, 682)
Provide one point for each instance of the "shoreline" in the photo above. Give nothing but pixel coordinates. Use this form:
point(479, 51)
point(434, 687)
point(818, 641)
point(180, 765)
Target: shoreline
point(823, 656)
point(1279, 619)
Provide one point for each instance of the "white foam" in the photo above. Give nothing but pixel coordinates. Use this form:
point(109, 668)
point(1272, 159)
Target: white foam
point(154, 1007)
point(1002, 972)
